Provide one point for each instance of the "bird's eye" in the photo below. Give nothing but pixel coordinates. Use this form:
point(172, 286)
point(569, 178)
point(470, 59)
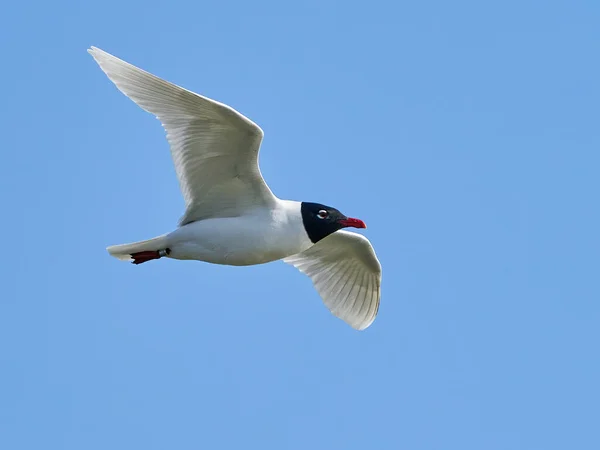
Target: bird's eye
point(322, 214)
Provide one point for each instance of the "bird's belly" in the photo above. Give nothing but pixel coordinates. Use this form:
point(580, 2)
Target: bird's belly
point(225, 255)
point(224, 241)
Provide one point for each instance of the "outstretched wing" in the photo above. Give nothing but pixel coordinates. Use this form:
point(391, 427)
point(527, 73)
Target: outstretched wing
point(214, 148)
point(347, 275)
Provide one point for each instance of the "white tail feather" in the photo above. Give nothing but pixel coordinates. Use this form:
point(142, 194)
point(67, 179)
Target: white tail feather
point(124, 251)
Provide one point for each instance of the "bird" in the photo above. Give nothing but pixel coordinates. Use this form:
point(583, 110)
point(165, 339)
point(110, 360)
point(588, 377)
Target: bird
point(231, 215)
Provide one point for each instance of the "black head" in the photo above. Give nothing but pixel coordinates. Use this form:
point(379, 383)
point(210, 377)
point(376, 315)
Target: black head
point(321, 220)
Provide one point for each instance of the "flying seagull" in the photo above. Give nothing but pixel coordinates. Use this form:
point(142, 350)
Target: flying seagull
point(231, 215)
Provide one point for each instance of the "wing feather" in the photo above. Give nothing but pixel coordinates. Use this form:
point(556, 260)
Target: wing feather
point(347, 275)
point(214, 147)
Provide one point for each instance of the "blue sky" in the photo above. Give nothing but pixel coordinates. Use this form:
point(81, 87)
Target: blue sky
point(464, 133)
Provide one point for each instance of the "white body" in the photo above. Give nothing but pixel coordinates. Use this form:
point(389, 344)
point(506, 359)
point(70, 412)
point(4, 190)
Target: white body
point(258, 237)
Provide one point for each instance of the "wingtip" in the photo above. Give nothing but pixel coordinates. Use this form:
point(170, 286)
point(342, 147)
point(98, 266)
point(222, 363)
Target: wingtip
point(364, 326)
point(95, 51)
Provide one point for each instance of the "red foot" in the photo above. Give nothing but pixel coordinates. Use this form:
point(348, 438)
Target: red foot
point(142, 257)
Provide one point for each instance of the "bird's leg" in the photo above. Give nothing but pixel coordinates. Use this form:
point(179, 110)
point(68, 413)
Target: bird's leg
point(142, 257)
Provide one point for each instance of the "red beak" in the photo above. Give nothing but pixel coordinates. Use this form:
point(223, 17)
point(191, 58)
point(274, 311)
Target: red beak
point(350, 222)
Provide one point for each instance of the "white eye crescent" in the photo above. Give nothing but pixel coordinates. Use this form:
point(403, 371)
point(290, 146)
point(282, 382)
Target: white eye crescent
point(322, 214)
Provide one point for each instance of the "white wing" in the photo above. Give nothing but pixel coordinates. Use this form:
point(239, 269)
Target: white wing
point(214, 148)
point(347, 275)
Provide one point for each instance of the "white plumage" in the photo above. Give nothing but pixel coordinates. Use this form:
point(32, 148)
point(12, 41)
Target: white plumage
point(347, 275)
point(231, 215)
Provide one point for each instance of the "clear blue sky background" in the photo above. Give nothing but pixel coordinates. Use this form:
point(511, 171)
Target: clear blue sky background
point(464, 133)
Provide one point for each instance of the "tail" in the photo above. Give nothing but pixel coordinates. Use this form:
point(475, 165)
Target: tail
point(140, 252)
